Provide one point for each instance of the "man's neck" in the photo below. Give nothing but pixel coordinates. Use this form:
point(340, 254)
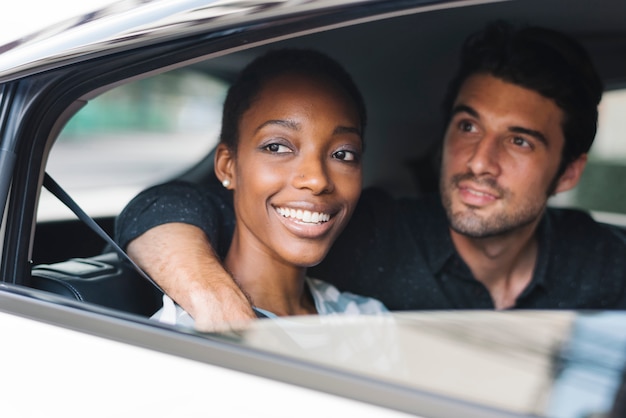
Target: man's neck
point(504, 264)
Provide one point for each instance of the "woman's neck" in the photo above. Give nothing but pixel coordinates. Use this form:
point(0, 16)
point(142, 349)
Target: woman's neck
point(271, 283)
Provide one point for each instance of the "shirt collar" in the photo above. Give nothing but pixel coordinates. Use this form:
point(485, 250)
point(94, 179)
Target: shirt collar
point(441, 251)
point(545, 236)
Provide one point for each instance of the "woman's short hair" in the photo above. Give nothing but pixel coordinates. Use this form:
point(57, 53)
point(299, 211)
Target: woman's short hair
point(272, 64)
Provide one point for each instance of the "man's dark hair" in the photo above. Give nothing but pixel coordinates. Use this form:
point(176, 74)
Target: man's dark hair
point(548, 62)
point(278, 62)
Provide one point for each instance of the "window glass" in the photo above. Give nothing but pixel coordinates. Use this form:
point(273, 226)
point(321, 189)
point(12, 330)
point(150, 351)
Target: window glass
point(133, 136)
point(601, 187)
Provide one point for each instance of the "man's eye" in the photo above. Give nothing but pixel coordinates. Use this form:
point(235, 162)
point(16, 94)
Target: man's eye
point(466, 126)
point(277, 148)
point(520, 142)
point(345, 155)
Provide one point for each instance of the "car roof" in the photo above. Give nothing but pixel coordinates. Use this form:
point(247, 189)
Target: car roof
point(128, 24)
point(125, 24)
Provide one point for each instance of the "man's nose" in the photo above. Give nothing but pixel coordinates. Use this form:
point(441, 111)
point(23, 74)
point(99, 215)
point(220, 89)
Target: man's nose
point(484, 158)
point(312, 174)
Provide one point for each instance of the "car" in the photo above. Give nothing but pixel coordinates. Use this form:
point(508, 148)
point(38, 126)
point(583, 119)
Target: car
point(108, 103)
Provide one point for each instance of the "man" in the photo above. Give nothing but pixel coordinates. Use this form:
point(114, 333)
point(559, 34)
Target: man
point(521, 114)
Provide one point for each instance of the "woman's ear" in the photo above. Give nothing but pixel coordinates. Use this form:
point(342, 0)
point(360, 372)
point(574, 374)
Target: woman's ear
point(225, 166)
point(570, 177)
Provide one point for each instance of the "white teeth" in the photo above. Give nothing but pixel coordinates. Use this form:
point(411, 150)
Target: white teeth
point(477, 193)
point(304, 215)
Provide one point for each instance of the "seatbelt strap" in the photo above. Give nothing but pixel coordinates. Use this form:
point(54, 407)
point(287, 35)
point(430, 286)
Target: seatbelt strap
point(54, 188)
point(60, 194)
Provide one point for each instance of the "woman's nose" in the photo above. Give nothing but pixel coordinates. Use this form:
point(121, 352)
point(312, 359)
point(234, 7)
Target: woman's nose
point(312, 174)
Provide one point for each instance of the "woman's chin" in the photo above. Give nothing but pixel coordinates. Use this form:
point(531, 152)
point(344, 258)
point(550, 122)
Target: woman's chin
point(307, 258)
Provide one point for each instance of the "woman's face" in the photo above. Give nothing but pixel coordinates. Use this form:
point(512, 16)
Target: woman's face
point(296, 174)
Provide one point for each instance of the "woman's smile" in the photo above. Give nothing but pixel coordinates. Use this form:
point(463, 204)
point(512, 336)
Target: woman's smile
point(306, 224)
point(304, 216)
point(299, 152)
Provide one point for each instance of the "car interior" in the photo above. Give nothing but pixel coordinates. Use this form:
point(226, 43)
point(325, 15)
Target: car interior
point(402, 65)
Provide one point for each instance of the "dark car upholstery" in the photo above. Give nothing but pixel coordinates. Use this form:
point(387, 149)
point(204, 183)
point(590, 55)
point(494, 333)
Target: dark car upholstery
point(103, 280)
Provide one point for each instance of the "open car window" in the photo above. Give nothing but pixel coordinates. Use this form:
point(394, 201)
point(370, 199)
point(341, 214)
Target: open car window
point(601, 188)
point(131, 137)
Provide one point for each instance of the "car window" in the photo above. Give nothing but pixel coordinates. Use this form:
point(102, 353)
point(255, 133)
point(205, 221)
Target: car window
point(600, 189)
point(133, 136)
point(495, 364)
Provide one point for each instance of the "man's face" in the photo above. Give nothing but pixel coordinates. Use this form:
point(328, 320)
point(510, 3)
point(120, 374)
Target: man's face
point(502, 150)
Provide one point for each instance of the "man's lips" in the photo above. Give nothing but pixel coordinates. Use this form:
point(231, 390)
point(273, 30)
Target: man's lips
point(476, 196)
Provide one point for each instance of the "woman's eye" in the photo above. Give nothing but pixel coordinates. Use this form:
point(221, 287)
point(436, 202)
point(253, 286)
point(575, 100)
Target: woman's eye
point(344, 155)
point(277, 148)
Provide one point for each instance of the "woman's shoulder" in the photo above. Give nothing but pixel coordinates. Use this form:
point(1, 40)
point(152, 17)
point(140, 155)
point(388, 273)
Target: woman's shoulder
point(330, 300)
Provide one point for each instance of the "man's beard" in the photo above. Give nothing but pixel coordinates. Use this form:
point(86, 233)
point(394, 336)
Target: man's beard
point(472, 224)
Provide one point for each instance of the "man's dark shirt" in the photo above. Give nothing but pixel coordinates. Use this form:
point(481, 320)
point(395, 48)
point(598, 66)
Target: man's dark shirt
point(400, 251)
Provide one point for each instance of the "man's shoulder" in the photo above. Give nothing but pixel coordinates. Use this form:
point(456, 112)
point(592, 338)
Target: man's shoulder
point(587, 259)
point(376, 197)
point(418, 215)
point(580, 225)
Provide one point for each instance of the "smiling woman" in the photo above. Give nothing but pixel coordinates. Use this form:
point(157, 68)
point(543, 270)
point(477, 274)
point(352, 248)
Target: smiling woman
point(290, 150)
point(298, 152)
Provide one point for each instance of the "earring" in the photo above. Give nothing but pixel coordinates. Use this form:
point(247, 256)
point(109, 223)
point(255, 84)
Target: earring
point(226, 183)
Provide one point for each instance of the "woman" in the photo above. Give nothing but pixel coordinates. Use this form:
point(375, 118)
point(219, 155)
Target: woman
point(290, 150)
